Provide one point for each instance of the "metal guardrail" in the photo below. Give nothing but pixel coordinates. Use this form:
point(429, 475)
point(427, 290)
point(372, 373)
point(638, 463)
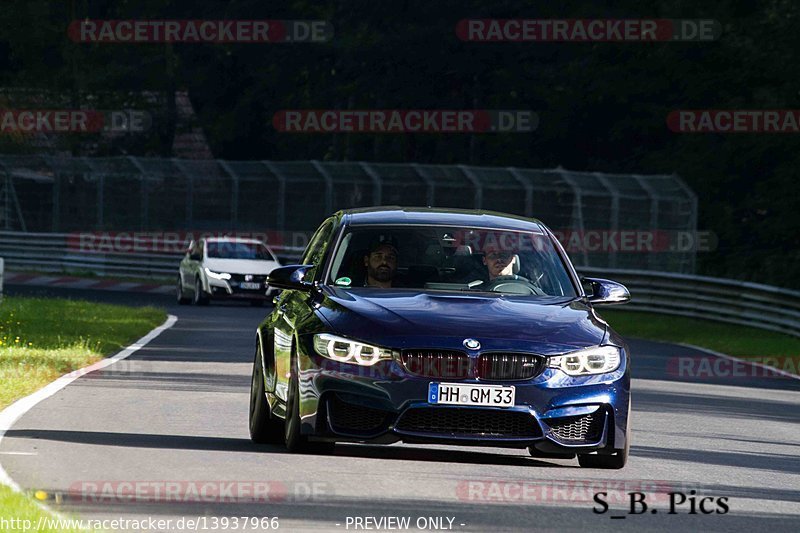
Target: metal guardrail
point(724, 300)
point(736, 302)
point(56, 252)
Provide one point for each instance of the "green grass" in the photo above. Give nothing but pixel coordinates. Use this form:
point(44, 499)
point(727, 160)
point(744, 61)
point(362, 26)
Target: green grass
point(21, 507)
point(41, 339)
point(89, 274)
point(739, 341)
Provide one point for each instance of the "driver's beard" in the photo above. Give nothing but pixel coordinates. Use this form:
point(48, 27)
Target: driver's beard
point(381, 275)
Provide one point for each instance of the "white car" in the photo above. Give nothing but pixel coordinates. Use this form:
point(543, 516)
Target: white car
point(226, 268)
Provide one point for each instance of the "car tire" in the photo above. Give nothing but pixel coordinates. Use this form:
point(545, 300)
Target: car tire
point(200, 297)
point(296, 442)
point(182, 299)
point(610, 462)
point(264, 427)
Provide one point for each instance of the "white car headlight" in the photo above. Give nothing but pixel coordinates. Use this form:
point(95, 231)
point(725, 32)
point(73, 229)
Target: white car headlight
point(349, 351)
point(595, 360)
point(217, 275)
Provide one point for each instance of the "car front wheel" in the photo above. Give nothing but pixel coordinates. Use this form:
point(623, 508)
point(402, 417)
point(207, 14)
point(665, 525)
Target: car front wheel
point(295, 441)
point(610, 462)
point(182, 299)
point(200, 297)
point(264, 428)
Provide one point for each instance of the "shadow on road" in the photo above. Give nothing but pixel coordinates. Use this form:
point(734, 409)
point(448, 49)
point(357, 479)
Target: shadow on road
point(222, 444)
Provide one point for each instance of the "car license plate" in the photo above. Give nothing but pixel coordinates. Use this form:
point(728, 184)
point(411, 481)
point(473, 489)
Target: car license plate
point(250, 286)
point(463, 394)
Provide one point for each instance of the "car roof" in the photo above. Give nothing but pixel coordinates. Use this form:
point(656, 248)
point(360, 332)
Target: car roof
point(391, 215)
point(233, 239)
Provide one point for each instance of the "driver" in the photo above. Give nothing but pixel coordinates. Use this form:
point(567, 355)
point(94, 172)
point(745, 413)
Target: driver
point(381, 263)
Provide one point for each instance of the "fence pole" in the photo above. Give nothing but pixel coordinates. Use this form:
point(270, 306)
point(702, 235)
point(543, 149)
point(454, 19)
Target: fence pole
point(281, 214)
point(234, 192)
point(422, 173)
point(328, 185)
point(377, 182)
point(476, 183)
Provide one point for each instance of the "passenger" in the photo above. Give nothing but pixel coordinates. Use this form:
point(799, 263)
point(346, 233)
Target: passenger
point(499, 263)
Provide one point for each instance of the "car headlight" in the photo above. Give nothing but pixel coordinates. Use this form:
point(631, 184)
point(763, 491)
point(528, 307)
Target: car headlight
point(595, 360)
point(217, 275)
point(349, 351)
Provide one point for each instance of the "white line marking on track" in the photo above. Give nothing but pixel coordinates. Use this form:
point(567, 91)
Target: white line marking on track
point(18, 453)
point(16, 410)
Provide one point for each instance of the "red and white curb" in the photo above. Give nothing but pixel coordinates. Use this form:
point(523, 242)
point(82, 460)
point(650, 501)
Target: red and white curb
point(69, 282)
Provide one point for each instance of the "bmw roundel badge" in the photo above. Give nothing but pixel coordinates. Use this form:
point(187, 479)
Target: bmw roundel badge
point(472, 344)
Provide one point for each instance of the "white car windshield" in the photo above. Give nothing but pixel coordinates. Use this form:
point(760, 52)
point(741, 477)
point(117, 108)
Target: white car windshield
point(239, 250)
point(450, 258)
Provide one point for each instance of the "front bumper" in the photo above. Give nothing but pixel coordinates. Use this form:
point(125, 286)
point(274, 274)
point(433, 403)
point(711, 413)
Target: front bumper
point(553, 412)
point(225, 290)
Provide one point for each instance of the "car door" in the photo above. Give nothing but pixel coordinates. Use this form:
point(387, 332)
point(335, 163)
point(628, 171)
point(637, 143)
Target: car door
point(292, 306)
point(186, 270)
point(196, 262)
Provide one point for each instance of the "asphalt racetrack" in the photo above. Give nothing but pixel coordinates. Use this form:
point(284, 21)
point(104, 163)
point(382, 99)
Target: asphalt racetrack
point(171, 423)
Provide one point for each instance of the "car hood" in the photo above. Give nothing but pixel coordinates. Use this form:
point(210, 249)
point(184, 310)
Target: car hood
point(240, 266)
point(401, 318)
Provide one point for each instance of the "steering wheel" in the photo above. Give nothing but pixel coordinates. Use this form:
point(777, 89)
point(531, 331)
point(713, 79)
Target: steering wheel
point(514, 285)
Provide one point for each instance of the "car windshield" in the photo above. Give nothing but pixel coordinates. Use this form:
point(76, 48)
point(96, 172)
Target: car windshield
point(450, 259)
point(239, 250)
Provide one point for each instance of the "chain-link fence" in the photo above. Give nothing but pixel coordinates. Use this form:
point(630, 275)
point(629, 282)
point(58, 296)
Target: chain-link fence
point(604, 220)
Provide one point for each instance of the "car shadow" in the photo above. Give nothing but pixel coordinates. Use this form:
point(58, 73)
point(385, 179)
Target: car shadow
point(415, 453)
point(223, 444)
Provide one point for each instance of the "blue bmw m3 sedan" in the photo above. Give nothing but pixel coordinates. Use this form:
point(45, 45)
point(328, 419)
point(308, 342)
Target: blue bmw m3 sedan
point(445, 326)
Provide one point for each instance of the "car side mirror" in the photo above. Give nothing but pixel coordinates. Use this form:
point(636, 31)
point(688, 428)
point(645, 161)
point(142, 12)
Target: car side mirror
point(606, 292)
point(290, 277)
